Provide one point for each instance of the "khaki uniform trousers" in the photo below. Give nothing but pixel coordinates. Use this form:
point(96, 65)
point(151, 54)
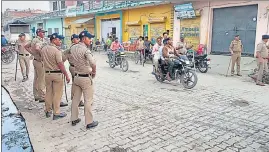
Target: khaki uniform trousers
point(236, 58)
point(263, 66)
point(24, 64)
point(82, 85)
point(39, 88)
point(54, 92)
point(72, 71)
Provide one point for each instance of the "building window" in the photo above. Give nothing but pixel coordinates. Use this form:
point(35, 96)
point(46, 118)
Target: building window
point(79, 3)
point(49, 31)
point(63, 5)
point(39, 25)
point(56, 30)
point(54, 6)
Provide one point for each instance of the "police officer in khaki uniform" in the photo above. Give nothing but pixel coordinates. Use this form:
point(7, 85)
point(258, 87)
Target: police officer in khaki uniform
point(24, 56)
point(236, 48)
point(54, 73)
point(75, 40)
point(85, 70)
point(33, 47)
point(262, 59)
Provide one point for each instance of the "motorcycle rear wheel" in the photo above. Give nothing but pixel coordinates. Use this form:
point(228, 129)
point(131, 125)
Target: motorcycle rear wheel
point(185, 79)
point(202, 67)
point(159, 76)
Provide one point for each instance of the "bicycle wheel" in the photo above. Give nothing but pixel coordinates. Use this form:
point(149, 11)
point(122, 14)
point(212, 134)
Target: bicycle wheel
point(136, 56)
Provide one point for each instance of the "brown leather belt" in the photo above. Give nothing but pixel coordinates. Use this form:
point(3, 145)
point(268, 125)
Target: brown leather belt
point(54, 71)
point(24, 54)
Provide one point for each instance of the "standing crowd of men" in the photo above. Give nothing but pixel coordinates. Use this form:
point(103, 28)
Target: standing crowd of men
point(50, 73)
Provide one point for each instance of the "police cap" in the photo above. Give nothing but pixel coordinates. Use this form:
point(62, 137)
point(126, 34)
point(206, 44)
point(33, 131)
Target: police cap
point(56, 35)
point(74, 36)
point(85, 33)
point(265, 37)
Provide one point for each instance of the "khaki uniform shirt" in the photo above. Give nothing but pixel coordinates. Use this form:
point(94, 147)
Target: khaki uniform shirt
point(67, 54)
point(51, 55)
point(83, 59)
point(36, 45)
point(236, 46)
point(20, 47)
point(262, 49)
point(182, 50)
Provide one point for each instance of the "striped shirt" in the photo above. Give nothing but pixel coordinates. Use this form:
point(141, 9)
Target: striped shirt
point(83, 59)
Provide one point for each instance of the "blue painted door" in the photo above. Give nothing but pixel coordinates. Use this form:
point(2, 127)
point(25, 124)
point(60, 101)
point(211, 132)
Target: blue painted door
point(231, 21)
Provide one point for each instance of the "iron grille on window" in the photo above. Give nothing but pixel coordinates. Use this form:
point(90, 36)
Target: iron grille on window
point(90, 4)
point(62, 4)
point(49, 31)
point(54, 6)
point(56, 30)
point(79, 3)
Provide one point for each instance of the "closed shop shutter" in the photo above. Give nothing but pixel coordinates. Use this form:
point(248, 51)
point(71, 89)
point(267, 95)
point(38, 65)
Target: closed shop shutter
point(134, 32)
point(156, 30)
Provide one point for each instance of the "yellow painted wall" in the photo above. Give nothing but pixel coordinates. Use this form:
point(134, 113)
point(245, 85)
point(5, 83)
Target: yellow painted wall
point(190, 28)
point(98, 22)
point(75, 29)
point(142, 14)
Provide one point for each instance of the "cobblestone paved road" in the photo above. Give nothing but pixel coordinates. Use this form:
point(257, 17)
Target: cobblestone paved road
point(137, 113)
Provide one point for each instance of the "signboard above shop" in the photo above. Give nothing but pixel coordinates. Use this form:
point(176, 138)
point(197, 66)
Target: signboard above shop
point(72, 11)
point(185, 11)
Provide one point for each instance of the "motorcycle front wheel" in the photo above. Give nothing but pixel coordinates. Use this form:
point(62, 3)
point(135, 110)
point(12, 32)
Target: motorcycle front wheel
point(124, 65)
point(111, 62)
point(7, 57)
point(188, 79)
point(202, 67)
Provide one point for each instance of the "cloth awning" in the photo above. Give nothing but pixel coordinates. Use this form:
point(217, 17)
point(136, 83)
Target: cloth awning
point(133, 23)
point(157, 19)
point(83, 20)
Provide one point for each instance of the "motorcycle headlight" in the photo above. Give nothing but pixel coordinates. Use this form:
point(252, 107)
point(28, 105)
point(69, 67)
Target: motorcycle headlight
point(187, 62)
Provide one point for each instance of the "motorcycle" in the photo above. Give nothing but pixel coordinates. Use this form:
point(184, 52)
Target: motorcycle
point(7, 54)
point(201, 62)
point(181, 71)
point(120, 59)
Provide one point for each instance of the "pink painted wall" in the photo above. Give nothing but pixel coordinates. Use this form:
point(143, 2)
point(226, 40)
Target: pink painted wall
point(207, 16)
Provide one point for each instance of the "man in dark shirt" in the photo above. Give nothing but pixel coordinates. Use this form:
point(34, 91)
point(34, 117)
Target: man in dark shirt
point(147, 44)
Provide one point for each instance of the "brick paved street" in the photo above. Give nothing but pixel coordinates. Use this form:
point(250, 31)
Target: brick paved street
point(137, 113)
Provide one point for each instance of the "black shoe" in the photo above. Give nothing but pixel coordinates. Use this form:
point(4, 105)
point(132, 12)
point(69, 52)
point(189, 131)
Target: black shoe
point(75, 122)
point(92, 125)
point(63, 104)
point(48, 114)
point(24, 79)
point(81, 104)
point(61, 115)
point(41, 101)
